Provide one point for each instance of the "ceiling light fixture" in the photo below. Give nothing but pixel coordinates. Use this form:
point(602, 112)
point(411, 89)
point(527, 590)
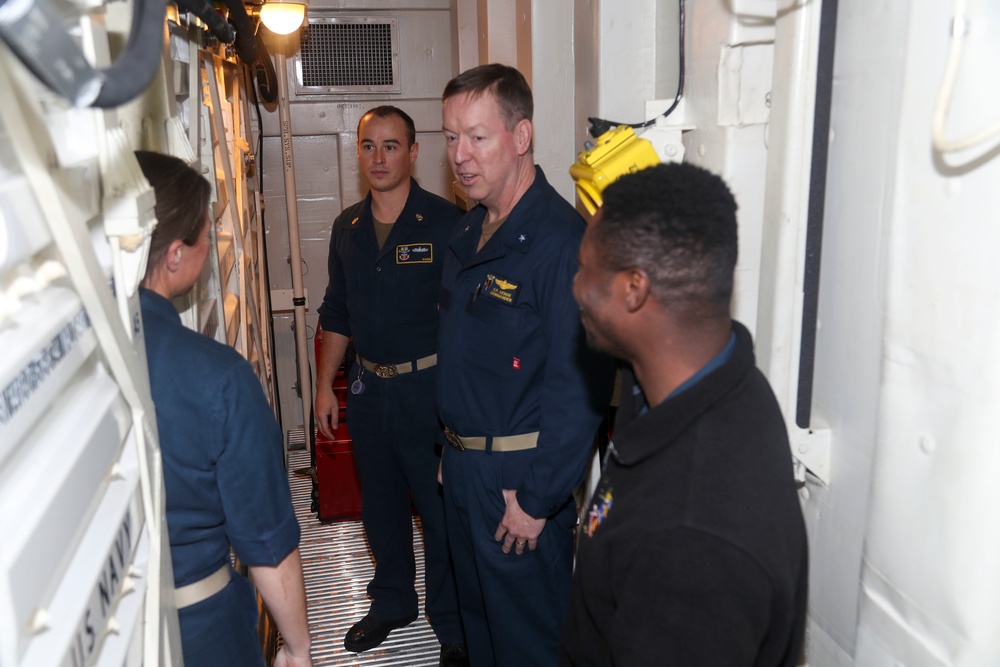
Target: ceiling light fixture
point(282, 18)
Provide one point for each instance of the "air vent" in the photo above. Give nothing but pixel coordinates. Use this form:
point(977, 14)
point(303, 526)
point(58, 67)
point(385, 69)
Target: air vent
point(348, 55)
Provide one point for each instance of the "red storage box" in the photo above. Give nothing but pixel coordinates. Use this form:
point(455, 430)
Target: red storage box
point(318, 342)
point(340, 379)
point(337, 480)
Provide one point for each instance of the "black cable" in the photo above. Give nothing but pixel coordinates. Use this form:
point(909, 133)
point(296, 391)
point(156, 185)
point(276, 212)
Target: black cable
point(219, 26)
point(246, 42)
point(135, 67)
point(263, 69)
point(599, 126)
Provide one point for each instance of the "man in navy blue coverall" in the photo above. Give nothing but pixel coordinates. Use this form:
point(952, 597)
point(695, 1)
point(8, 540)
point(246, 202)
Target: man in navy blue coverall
point(385, 271)
point(520, 395)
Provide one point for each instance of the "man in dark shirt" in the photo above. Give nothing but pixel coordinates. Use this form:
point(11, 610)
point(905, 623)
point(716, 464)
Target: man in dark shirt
point(693, 551)
point(385, 271)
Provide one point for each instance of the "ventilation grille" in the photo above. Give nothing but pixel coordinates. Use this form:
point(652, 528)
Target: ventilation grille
point(348, 54)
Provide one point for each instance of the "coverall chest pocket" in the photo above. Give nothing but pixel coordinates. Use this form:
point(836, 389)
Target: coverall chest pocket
point(413, 289)
point(500, 331)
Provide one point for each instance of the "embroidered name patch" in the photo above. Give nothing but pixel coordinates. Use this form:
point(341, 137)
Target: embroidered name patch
point(501, 289)
point(415, 253)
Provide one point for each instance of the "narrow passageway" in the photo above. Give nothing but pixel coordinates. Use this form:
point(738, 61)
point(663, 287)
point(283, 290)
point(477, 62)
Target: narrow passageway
point(337, 565)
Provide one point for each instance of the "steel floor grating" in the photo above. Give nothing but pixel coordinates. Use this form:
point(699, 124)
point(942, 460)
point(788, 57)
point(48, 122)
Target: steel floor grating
point(337, 566)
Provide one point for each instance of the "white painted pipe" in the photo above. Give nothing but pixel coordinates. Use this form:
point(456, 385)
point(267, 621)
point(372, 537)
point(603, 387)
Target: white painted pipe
point(291, 206)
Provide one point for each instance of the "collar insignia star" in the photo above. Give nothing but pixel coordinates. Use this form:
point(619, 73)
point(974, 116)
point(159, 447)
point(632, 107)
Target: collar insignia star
point(521, 238)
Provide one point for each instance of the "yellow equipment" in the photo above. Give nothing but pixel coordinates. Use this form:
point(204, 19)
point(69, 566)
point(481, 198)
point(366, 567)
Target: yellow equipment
point(615, 153)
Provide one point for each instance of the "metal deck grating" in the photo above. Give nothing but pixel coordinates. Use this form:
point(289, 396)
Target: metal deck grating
point(337, 566)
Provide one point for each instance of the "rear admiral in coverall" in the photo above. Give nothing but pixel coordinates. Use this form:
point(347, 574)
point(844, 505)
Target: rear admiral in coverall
point(520, 394)
point(385, 267)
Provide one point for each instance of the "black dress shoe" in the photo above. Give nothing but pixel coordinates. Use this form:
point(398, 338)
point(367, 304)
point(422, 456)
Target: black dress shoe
point(453, 655)
point(369, 632)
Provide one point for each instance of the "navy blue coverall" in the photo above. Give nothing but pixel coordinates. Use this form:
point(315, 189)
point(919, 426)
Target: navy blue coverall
point(225, 480)
point(386, 299)
point(512, 360)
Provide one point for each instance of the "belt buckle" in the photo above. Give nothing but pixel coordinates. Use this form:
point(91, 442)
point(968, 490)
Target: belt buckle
point(386, 371)
point(454, 439)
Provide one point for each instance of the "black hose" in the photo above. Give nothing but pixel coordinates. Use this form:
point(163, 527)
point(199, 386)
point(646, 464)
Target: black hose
point(36, 34)
point(246, 43)
point(135, 67)
point(263, 69)
point(219, 26)
point(66, 70)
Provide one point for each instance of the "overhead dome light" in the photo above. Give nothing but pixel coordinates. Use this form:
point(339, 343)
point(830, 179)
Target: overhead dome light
point(282, 18)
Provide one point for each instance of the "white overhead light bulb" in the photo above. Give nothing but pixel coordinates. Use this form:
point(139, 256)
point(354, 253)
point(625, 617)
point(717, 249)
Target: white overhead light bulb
point(282, 18)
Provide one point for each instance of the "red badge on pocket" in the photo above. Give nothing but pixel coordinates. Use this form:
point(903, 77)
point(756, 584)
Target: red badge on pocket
point(517, 364)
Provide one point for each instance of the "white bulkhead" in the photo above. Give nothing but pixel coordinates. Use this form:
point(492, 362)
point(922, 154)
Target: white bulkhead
point(862, 142)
